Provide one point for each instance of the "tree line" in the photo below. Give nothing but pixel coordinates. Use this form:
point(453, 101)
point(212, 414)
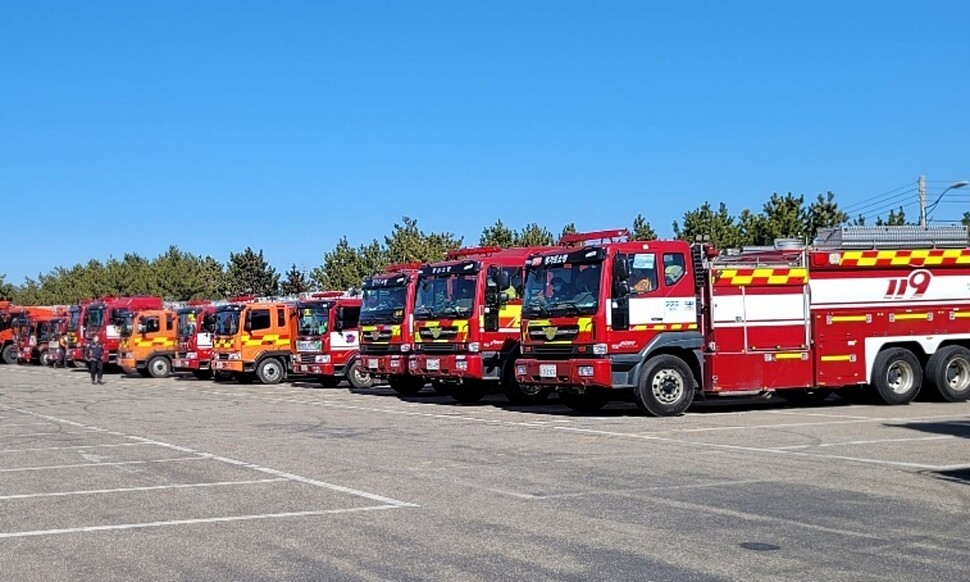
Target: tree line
point(180, 276)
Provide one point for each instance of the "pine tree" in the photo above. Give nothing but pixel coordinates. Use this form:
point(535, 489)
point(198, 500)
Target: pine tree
point(249, 273)
point(295, 283)
point(642, 230)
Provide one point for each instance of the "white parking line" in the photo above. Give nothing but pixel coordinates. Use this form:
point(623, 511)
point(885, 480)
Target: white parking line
point(112, 464)
point(130, 489)
point(126, 526)
point(869, 442)
point(35, 434)
point(35, 449)
point(200, 455)
point(3, 425)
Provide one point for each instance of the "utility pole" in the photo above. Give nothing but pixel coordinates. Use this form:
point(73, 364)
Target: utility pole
point(921, 183)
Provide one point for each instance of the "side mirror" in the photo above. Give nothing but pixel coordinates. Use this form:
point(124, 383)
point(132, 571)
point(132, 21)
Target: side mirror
point(621, 289)
point(338, 322)
point(503, 280)
point(248, 325)
point(503, 297)
point(142, 329)
point(621, 269)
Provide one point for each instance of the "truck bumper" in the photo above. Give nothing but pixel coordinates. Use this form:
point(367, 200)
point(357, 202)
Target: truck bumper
point(129, 365)
point(386, 365)
point(180, 364)
point(314, 369)
point(594, 372)
point(447, 366)
point(231, 366)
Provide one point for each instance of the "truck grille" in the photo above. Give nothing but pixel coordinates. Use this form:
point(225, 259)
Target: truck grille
point(380, 350)
point(444, 332)
point(553, 333)
point(554, 351)
point(382, 335)
point(438, 348)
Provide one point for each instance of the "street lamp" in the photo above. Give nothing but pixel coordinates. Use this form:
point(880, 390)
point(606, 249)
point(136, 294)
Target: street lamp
point(952, 186)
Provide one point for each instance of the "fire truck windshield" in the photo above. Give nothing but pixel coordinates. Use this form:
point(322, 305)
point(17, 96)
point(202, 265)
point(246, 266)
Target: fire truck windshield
point(445, 296)
point(74, 322)
point(227, 322)
point(313, 320)
point(124, 321)
point(383, 305)
point(94, 318)
point(566, 289)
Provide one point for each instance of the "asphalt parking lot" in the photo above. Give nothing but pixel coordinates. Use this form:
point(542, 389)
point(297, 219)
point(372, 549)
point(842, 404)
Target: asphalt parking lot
point(182, 479)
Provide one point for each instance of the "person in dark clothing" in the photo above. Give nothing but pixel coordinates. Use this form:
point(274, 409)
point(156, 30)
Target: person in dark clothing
point(96, 356)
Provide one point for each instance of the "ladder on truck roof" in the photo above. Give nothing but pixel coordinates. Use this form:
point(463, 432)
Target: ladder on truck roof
point(892, 237)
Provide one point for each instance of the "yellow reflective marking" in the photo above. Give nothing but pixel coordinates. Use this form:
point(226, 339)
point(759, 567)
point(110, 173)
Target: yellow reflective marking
point(839, 358)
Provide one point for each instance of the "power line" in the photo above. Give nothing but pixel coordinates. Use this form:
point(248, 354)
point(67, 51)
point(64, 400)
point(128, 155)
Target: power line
point(868, 206)
point(871, 199)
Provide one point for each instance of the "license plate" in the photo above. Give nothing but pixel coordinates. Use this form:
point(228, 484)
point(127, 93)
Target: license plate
point(53, 345)
point(372, 364)
point(434, 364)
point(547, 370)
point(219, 365)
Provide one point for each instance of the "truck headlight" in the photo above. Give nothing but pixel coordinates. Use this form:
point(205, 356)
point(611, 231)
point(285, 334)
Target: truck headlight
point(322, 359)
point(192, 356)
point(474, 347)
point(405, 348)
point(585, 371)
point(600, 350)
point(235, 356)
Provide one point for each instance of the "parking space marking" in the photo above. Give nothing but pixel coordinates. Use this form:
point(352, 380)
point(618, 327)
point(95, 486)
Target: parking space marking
point(146, 488)
point(868, 442)
point(233, 518)
point(201, 455)
point(36, 434)
point(111, 464)
point(36, 449)
point(25, 424)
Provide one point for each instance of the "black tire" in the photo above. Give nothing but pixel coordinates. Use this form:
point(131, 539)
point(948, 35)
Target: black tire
point(805, 396)
point(897, 376)
point(467, 392)
point(271, 371)
point(159, 367)
point(948, 372)
point(329, 381)
point(666, 386)
point(406, 385)
point(358, 376)
point(202, 374)
point(523, 394)
point(9, 354)
point(591, 400)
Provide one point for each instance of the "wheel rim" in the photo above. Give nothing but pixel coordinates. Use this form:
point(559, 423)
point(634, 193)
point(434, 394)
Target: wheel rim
point(900, 377)
point(159, 367)
point(360, 376)
point(668, 386)
point(958, 374)
point(271, 371)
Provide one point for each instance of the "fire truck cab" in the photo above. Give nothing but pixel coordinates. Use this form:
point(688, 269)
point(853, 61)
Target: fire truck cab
point(147, 343)
point(36, 330)
point(195, 328)
point(466, 324)
point(879, 307)
point(105, 316)
point(386, 318)
point(327, 339)
point(254, 340)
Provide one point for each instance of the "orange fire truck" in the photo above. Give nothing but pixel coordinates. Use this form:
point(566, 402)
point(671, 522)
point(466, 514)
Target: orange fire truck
point(885, 308)
point(327, 339)
point(466, 323)
point(147, 343)
point(254, 340)
point(196, 324)
point(385, 327)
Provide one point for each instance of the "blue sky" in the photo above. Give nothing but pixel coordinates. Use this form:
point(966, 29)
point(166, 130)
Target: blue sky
point(129, 126)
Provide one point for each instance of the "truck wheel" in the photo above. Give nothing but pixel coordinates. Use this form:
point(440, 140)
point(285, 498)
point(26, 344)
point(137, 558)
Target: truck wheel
point(45, 358)
point(358, 377)
point(897, 376)
point(406, 385)
point(522, 393)
point(9, 354)
point(329, 381)
point(589, 401)
point(467, 392)
point(948, 371)
point(159, 367)
point(270, 371)
point(666, 387)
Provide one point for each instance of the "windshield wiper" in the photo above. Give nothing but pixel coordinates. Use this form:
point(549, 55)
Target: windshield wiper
point(572, 305)
point(538, 306)
point(424, 310)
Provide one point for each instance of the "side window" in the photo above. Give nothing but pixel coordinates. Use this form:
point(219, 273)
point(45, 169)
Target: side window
point(351, 317)
point(152, 325)
point(169, 322)
point(643, 273)
point(259, 319)
point(675, 265)
point(281, 317)
point(515, 282)
point(209, 322)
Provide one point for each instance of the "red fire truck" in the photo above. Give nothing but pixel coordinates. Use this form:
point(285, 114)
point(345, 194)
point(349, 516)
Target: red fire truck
point(103, 317)
point(35, 329)
point(75, 333)
point(196, 324)
point(385, 327)
point(327, 338)
point(466, 323)
point(885, 308)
